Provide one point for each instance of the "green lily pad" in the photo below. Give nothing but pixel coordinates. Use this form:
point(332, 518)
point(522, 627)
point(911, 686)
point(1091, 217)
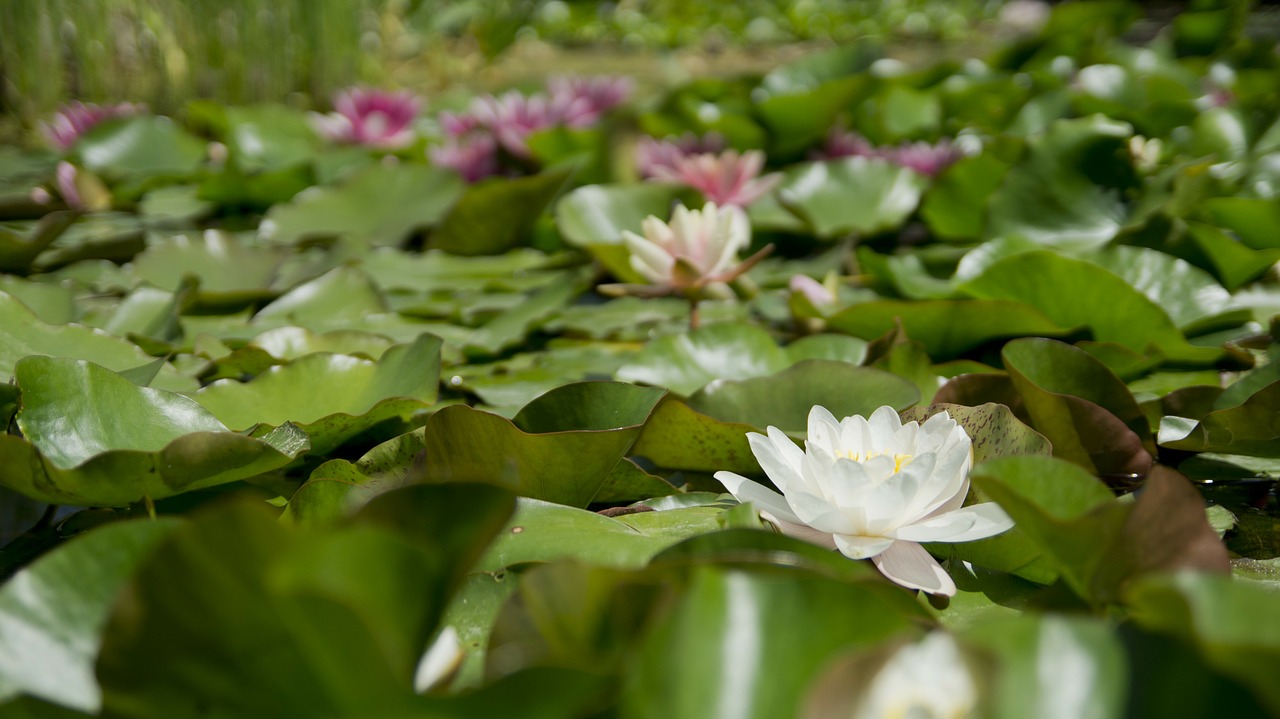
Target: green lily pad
point(512, 326)
point(954, 207)
point(77, 451)
point(1252, 428)
point(594, 217)
point(331, 397)
point(18, 249)
point(1234, 624)
point(52, 613)
point(559, 448)
point(1037, 655)
point(820, 192)
point(1075, 293)
point(382, 205)
point(994, 429)
point(497, 214)
point(947, 328)
point(146, 145)
point(435, 270)
point(378, 585)
point(679, 437)
point(1052, 197)
point(290, 343)
point(1191, 297)
point(229, 270)
point(784, 399)
point(342, 295)
point(1102, 550)
point(23, 334)
point(686, 363)
point(722, 636)
point(545, 532)
point(1081, 406)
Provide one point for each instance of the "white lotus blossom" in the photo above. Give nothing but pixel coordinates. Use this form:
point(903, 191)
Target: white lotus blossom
point(874, 489)
point(927, 680)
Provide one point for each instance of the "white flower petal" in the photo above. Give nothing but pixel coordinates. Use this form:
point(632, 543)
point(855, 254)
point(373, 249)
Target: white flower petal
point(785, 475)
point(883, 423)
point(824, 430)
point(908, 564)
point(825, 540)
point(820, 513)
point(966, 524)
point(765, 499)
point(888, 504)
point(440, 661)
point(647, 258)
point(859, 547)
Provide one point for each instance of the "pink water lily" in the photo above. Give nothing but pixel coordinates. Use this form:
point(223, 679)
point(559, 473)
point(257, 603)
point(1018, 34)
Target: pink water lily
point(512, 117)
point(473, 155)
point(582, 101)
point(728, 178)
point(697, 247)
point(873, 488)
point(75, 118)
point(652, 153)
point(925, 158)
point(373, 118)
point(928, 159)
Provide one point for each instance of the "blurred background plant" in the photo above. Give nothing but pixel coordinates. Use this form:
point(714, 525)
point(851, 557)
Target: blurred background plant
point(167, 52)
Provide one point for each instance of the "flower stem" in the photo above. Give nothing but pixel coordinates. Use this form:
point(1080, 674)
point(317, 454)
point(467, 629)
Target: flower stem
point(694, 319)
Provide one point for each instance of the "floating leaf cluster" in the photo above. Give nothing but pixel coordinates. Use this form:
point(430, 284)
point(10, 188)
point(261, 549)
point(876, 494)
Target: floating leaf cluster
point(327, 429)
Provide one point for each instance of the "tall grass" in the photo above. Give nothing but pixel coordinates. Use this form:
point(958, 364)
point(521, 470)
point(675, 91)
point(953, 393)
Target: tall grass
point(165, 52)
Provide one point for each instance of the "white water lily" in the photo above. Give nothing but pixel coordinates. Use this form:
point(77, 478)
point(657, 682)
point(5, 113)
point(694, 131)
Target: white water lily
point(873, 489)
point(928, 680)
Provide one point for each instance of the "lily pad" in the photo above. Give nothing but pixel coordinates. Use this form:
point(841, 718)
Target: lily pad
point(1252, 428)
point(686, 363)
point(1075, 293)
point(1052, 198)
point(53, 612)
point(820, 192)
point(357, 393)
point(378, 584)
point(382, 205)
point(594, 217)
point(77, 452)
point(497, 214)
point(784, 399)
point(146, 145)
point(229, 270)
point(22, 334)
point(560, 448)
point(1081, 406)
point(994, 429)
point(947, 328)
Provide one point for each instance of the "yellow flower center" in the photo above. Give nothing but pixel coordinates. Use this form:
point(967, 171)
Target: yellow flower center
point(899, 460)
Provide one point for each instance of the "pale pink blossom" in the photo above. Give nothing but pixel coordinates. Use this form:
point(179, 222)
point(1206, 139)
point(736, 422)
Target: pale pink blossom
point(845, 143)
point(582, 101)
point(652, 153)
point(696, 248)
point(512, 117)
point(923, 157)
point(373, 118)
point(75, 118)
point(474, 155)
point(65, 180)
point(818, 294)
point(728, 178)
